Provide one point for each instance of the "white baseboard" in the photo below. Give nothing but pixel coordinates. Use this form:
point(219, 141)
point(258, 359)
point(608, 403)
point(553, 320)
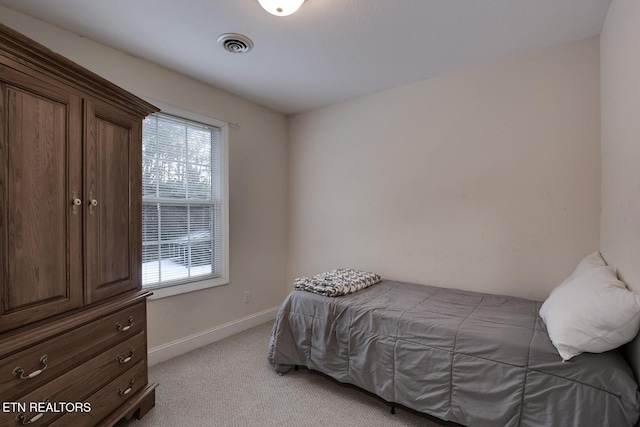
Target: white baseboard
point(192, 342)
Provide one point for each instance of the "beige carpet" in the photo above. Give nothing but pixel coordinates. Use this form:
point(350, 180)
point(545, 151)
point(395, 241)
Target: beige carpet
point(229, 383)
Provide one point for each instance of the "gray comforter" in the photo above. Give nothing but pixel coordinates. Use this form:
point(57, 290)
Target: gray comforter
point(476, 359)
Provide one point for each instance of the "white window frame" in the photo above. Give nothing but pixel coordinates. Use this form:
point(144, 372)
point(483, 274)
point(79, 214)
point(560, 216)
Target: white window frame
point(167, 290)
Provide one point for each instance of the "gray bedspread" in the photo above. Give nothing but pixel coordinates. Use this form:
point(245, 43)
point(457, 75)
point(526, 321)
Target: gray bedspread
point(476, 359)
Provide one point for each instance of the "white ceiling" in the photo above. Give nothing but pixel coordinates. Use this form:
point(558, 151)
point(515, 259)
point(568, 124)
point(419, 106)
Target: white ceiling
point(330, 50)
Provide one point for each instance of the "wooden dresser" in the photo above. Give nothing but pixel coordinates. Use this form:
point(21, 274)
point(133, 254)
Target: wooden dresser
point(72, 313)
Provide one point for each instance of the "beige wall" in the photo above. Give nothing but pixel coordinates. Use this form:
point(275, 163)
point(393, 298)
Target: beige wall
point(620, 80)
point(258, 174)
point(620, 91)
point(487, 179)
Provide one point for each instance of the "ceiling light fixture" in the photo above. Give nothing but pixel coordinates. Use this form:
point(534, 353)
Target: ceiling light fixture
point(281, 7)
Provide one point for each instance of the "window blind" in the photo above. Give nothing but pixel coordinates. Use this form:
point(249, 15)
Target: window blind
point(181, 201)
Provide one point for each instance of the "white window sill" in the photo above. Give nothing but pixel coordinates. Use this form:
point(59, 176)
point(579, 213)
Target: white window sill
point(183, 288)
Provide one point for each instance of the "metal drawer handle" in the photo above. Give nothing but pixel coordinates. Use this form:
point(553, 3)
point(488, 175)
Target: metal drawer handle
point(126, 328)
point(123, 360)
point(19, 372)
point(122, 392)
point(22, 418)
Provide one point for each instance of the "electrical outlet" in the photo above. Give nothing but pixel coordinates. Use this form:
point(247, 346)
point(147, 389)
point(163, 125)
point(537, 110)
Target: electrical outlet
point(247, 296)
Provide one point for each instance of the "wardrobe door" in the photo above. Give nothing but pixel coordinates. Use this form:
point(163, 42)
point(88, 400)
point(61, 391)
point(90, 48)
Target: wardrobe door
point(40, 200)
point(113, 213)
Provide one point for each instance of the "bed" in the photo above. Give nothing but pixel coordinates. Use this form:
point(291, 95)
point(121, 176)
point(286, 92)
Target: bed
point(471, 358)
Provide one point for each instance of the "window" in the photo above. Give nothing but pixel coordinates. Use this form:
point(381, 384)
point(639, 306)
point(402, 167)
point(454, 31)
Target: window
point(184, 209)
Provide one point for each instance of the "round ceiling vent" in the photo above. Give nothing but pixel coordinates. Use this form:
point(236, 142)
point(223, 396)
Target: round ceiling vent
point(235, 43)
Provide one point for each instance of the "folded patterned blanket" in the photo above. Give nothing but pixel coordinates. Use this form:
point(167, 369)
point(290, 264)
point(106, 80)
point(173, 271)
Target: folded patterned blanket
point(336, 283)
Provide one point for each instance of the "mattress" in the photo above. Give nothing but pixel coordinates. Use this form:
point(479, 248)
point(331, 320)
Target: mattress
point(475, 359)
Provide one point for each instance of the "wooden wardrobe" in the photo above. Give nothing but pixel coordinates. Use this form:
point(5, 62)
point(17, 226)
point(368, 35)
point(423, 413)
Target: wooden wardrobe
point(72, 310)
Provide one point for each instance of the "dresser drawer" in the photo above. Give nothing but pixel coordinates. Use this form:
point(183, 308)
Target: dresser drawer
point(107, 398)
point(79, 383)
point(43, 362)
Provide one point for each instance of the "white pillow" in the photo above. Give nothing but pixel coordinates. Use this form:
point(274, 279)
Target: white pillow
point(589, 262)
point(591, 311)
